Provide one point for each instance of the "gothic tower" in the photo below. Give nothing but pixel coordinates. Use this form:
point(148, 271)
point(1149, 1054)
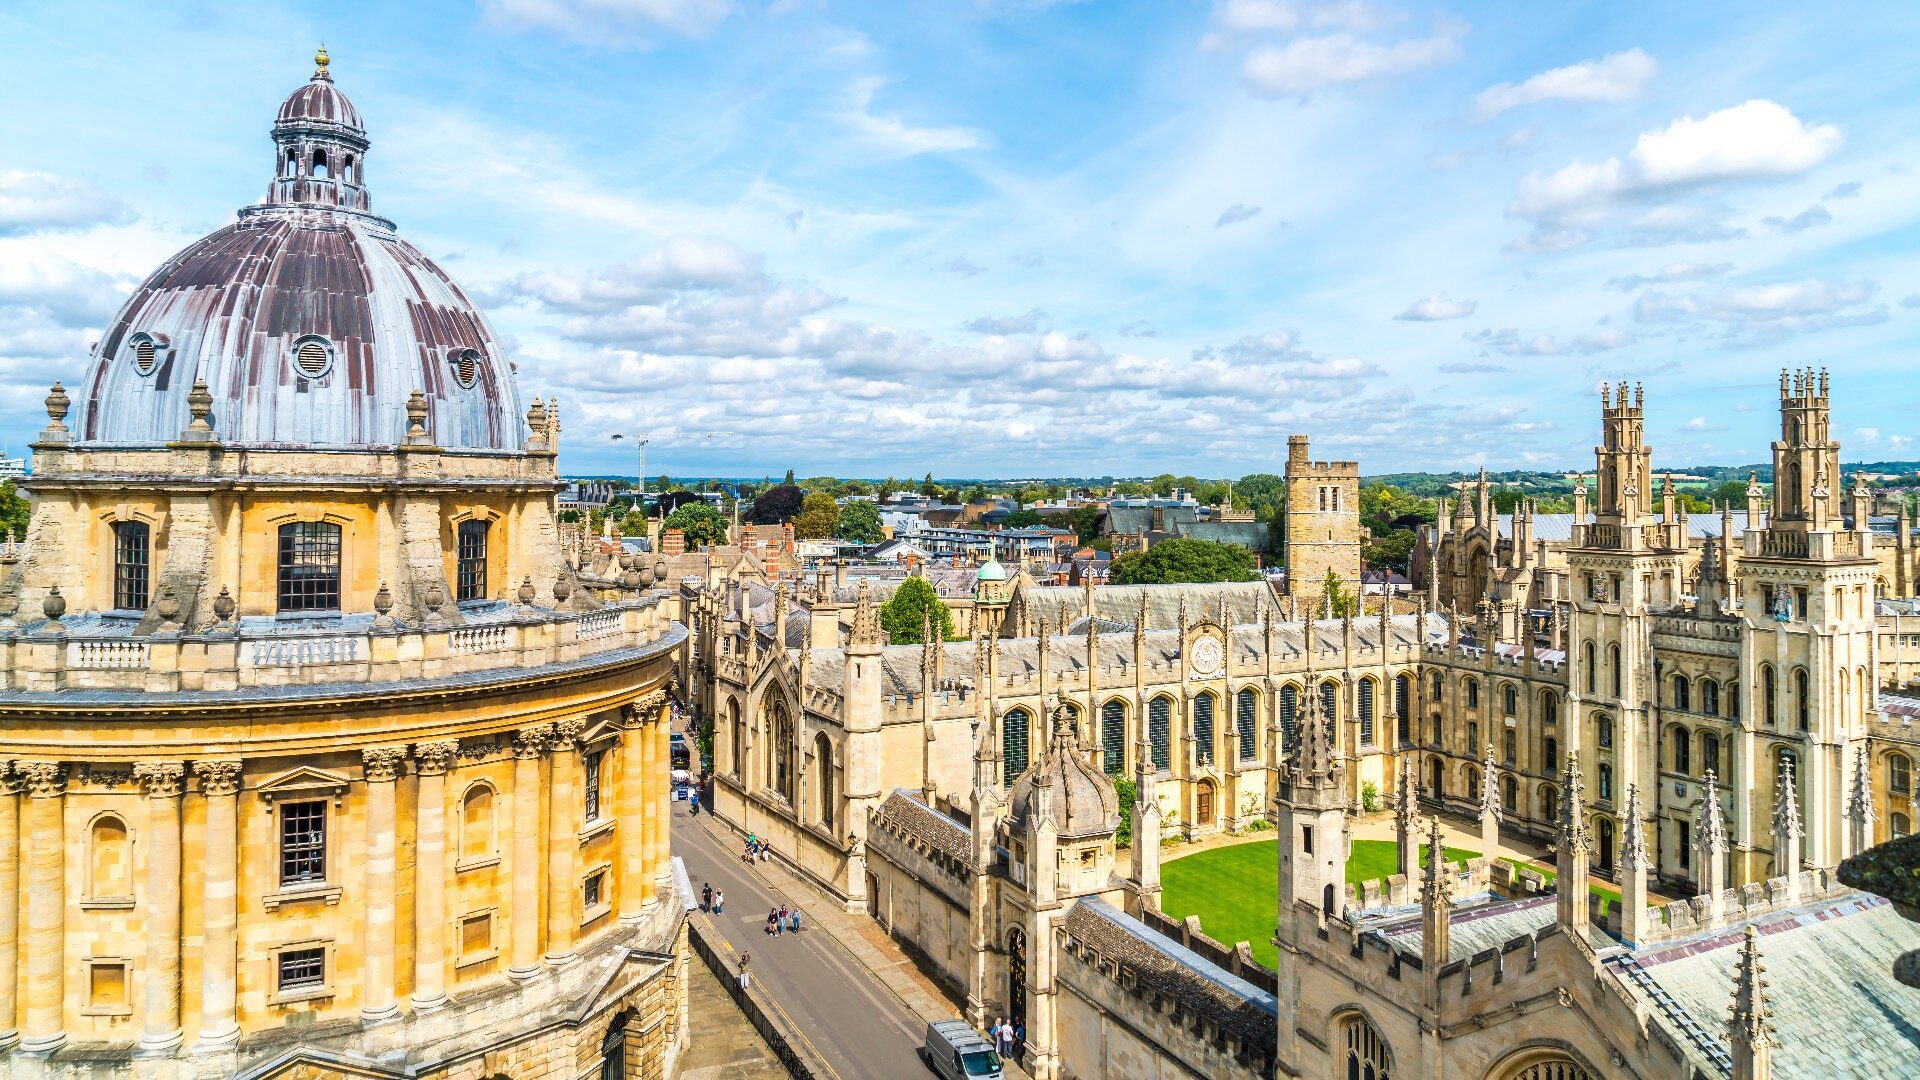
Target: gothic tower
point(1323, 520)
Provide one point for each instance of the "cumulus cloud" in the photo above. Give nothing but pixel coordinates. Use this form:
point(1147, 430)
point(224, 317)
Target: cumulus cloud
point(1847, 190)
point(67, 294)
point(609, 20)
point(890, 132)
point(1235, 214)
point(1672, 273)
point(1755, 140)
point(1006, 324)
point(1433, 308)
point(1749, 315)
point(678, 263)
point(1615, 77)
point(33, 202)
point(1308, 64)
point(1289, 15)
point(1805, 219)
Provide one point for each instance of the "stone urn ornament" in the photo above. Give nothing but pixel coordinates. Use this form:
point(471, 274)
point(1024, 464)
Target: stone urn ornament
point(223, 605)
point(383, 602)
point(167, 606)
point(435, 597)
point(562, 588)
point(527, 592)
point(54, 606)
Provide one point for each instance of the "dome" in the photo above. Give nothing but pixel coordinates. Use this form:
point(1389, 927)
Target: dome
point(1081, 800)
point(991, 570)
point(310, 320)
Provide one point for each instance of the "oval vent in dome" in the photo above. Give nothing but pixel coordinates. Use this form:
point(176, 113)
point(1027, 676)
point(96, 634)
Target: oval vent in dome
point(312, 358)
point(144, 355)
point(466, 367)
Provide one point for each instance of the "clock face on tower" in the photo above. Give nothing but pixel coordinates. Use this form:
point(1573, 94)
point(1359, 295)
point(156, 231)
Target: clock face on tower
point(1206, 655)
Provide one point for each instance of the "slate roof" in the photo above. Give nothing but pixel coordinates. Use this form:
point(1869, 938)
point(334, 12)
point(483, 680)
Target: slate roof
point(1061, 604)
point(1837, 1010)
point(1160, 964)
point(1474, 927)
point(903, 812)
point(1558, 528)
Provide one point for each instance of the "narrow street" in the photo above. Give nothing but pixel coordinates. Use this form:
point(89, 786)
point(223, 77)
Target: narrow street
point(835, 1004)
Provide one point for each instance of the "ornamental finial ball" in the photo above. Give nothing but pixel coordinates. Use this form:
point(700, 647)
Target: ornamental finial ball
point(320, 62)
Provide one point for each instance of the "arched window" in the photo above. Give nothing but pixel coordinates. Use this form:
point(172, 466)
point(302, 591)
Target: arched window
point(1512, 745)
point(1606, 782)
point(1290, 714)
point(1550, 749)
point(1898, 825)
point(476, 823)
point(780, 750)
point(1509, 791)
point(470, 578)
point(739, 740)
point(1682, 751)
point(823, 758)
point(319, 170)
point(1367, 1055)
point(1113, 736)
point(1802, 702)
point(1710, 756)
point(1509, 699)
point(1709, 697)
point(1436, 778)
point(1203, 729)
point(1403, 707)
point(1733, 700)
point(1681, 695)
point(292, 167)
point(613, 1049)
point(1329, 703)
point(1769, 694)
point(310, 566)
point(130, 564)
point(1160, 732)
point(1549, 707)
point(1551, 1065)
point(1366, 712)
point(1435, 688)
point(1246, 723)
point(346, 169)
point(1470, 689)
point(1899, 774)
point(1603, 729)
point(1473, 736)
point(1613, 668)
point(1549, 802)
point(109, 860)
point(1587, 662)
point(1013, 744)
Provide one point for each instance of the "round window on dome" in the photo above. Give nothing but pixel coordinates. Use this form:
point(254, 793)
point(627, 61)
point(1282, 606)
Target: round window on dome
point(146, 354)
point(466, 367)
point(312, 356)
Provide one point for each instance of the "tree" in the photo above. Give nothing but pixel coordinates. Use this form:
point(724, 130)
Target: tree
point(817, 517)
point(905, 614)
point(1340, 603)
point(789, 480)
point(776, 505)
point(929, 488)
point(702, 523)
point(1128, 794)
point(976, 493)
point(885, 492)
point(1184, 561)
point(1022, 519)
point(14, 510)
point(1390, 552)
point(859, 521)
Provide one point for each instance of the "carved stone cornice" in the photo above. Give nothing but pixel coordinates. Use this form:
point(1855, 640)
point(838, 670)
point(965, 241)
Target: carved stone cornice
point(565, 734)
point(218, 778)
point(434, 758)
point(531, 742)
point(43, 779)
point(383, 763)
point(161, 779)
point(10, 779)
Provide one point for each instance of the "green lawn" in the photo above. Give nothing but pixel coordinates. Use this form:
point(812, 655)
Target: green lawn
point(1236, 890)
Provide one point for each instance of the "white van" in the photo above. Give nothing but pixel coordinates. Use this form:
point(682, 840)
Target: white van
point(954, 1051)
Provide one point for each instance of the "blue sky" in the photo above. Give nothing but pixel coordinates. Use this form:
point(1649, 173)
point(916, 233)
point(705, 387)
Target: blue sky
point(1015, 238)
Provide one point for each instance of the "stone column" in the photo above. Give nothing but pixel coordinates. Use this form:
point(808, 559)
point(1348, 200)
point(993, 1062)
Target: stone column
point(661, 777)
point(563, 842)
point(524, 961)
point(636, 816)
point(46, 849)
point(379, 989)
point(10, 852)
point(219, 906)
point(160, 1028)
point(431, 761)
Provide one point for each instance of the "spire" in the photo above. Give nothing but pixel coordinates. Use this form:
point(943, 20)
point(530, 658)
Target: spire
point(1712, 830)
point(866, 620)
point(1750, 1027)
point(1571, 887)
point(1633, 845)
point(1406, 818)
point(1787, 829)
point(1436, 903)
point(1710, 837)
point(1860, 815)
point(1490, 787)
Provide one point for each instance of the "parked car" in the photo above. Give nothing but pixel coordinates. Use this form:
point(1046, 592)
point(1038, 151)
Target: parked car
point(678, 752)
point(954, 1051)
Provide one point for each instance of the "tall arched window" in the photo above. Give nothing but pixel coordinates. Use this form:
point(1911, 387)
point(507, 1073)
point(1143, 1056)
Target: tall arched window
point(1473, 736)
point(1329, 702)
point(1709, 697)
point(1113, 736)
point(823, 760)
point(1366, 712)
point(1603, 730)
point(1509, 699)
point(1733, 700)
point(1613, 668)
point(1682, 751)
point(1366, 1052)
point(1435, 687)
point(310, 566)
point(1246, 723)
point(476, 823)
point(1549, 707)
point(470, 577)
point(1160, 732)
point(1606, 782)
point(1802, 699)
point(1898, 825)
point(109, 860)
point(739, 730)
point(781, 749)
point(1587, 662)
point(131, 560)
point(1512, 745)
point(1203, 729)
point(1682, 696)
point(319, 169)
point(1550, 749)
point(1509, 791)
point(1014, 731)
point(1470, 687)
point(1769, 694)
point(1899, 774)
point(613, 1048)
point(1549, 802)
point(1403, 707)
point(1290, 714)
point(1546, 1065)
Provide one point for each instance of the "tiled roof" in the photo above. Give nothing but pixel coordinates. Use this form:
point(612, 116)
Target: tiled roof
point(1164, 966)
point(904, 813)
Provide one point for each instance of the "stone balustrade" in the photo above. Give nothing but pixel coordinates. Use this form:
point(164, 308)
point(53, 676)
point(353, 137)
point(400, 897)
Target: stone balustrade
point(76, 659)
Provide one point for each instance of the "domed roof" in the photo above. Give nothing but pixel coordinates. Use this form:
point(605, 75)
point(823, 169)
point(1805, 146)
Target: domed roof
point(311, 323)
point(320, 102)
point(991, 570)
point(1079, 798)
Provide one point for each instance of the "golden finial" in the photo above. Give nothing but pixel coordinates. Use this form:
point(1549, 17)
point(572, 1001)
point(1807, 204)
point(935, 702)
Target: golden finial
point(320, 62)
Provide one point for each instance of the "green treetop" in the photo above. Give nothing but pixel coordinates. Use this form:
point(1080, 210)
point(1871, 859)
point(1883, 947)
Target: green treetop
point(702, 524)
point(905, 614)
point(859, 521)
point(1184, 560)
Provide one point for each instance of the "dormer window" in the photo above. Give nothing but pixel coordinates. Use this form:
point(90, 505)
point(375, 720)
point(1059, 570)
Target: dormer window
point(466, 367)
point(145, 352)
point(312, 356)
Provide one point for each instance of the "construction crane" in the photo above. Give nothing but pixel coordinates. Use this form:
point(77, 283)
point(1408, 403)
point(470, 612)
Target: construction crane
point(640, 441)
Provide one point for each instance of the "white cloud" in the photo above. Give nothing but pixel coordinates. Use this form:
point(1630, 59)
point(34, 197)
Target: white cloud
point(1806, 219)
point(37, 280)
point(1671, 273)
point(679, 262)
point(1235, 214)
point(963, 266)
point(1307, 64)
point(1848, 190)
point(1613, 78)
point(1434, 307)
point(1756, 140)
point(1602, 340)
point(897, 136)
point(1286, 15)
point(35, 201)
point(602, 21)
point(1006, 324)
point(1751, 315)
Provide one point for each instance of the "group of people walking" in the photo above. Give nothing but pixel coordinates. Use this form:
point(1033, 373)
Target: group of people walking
point(712, 901)
point(1008, 1036)
point(783, 920)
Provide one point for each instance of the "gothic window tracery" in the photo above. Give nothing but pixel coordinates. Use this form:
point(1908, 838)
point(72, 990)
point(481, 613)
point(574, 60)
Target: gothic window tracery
point(1113, 736)
point(1014, 734)
point(1367, 1055)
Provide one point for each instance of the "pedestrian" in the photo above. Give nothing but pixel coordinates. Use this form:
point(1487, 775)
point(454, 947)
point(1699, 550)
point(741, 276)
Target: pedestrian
point(745, 979)
point(993, 1033)
point(693, 802)
point(796, 920)
point(706, 897)
point(773, 923)
point(1019, 1039)
point(1006, 1040)
point(719, 901)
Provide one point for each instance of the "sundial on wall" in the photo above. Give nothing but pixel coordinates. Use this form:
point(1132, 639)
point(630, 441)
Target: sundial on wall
point(1206, 655)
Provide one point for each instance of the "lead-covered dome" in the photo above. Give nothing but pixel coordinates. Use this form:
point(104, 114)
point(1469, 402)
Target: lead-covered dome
point(309, 319)
point(1063, 785)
